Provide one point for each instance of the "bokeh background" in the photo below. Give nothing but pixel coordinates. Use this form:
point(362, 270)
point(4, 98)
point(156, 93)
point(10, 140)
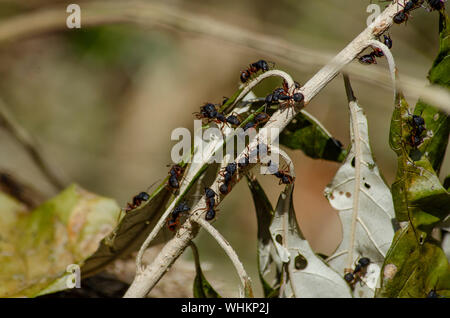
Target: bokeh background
point(103, 100)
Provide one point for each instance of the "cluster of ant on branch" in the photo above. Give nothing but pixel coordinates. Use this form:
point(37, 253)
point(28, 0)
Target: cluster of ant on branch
point(399, 18)
point(211, 113)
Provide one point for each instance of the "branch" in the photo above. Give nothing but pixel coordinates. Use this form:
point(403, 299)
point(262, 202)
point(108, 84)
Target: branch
point(30, 145)
point(245, 279)
point(145, 280)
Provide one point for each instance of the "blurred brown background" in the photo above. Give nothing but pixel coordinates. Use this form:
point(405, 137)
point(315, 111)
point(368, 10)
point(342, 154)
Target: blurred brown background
point(102, 102)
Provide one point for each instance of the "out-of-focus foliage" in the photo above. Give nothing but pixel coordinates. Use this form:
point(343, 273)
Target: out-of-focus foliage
point(37, 246)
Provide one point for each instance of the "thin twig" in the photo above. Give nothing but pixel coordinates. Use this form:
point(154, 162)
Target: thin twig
point(145, 280)
point(354, 108)
point(243, 276)
point(30, 145)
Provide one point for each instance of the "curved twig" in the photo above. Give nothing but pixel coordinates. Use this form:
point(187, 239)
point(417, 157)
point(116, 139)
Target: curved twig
point(243, 276)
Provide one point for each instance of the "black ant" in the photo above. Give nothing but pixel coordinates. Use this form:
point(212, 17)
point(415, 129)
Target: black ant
point(210, 204)
point(411, 5)
point(387, 41)
point(401, 17)
point(260, 65)
point(358, 273)
point(208, 111)
point(259, 119)
point(368, 59)
point(233, 120)
point(175, 173)
point(418, 127)
point(436, 4)
point(284, 176)
point(174, 220)
point(137, 200)
point(227, 175)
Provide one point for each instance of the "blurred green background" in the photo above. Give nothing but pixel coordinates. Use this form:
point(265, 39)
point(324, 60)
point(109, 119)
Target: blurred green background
point(102, 102)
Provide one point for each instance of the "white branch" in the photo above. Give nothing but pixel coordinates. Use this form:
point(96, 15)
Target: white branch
point(243, 276)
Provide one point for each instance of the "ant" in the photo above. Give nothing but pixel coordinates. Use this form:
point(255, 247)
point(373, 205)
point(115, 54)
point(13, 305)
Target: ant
point(403, 15)
point(418, 127)
point(227, 175)
point(436, 4)
point(360, 270)
point(208, 111)
point(259, 119)
point(210, 204)
point(284, 176)
point(387, 41)
point(260, 65)
point(233, 120)
point(174, 220)
point(368, 58)
point(174, 180)
point(137, 200)
point(411, 5)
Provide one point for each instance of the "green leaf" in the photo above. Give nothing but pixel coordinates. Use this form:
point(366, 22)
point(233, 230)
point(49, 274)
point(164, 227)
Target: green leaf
point(202, 288)
point(437, 122)
point(412, 269)
point(415, 264)
point(129, 235)
point(36, 247)
point(306, 133)
point(265, 249)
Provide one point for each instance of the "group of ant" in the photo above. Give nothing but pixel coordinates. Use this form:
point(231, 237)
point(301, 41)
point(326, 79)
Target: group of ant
point(400, 17)
point(403, 15)
point(211, 113)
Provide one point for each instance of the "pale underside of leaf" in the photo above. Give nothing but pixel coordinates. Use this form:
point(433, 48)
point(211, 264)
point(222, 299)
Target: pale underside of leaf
point(315, 279)
point(374, 228)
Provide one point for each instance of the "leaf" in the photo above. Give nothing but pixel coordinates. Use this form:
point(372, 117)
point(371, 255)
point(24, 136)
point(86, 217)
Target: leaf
point(202, 288)
point(415, 264)
point(37, 247)
point(306, 274)
point(129, 235)
point(413, 269)
point(374, 231)
point(266, 250)
point(306, 133)
point(437, 122)
point(420, 203)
